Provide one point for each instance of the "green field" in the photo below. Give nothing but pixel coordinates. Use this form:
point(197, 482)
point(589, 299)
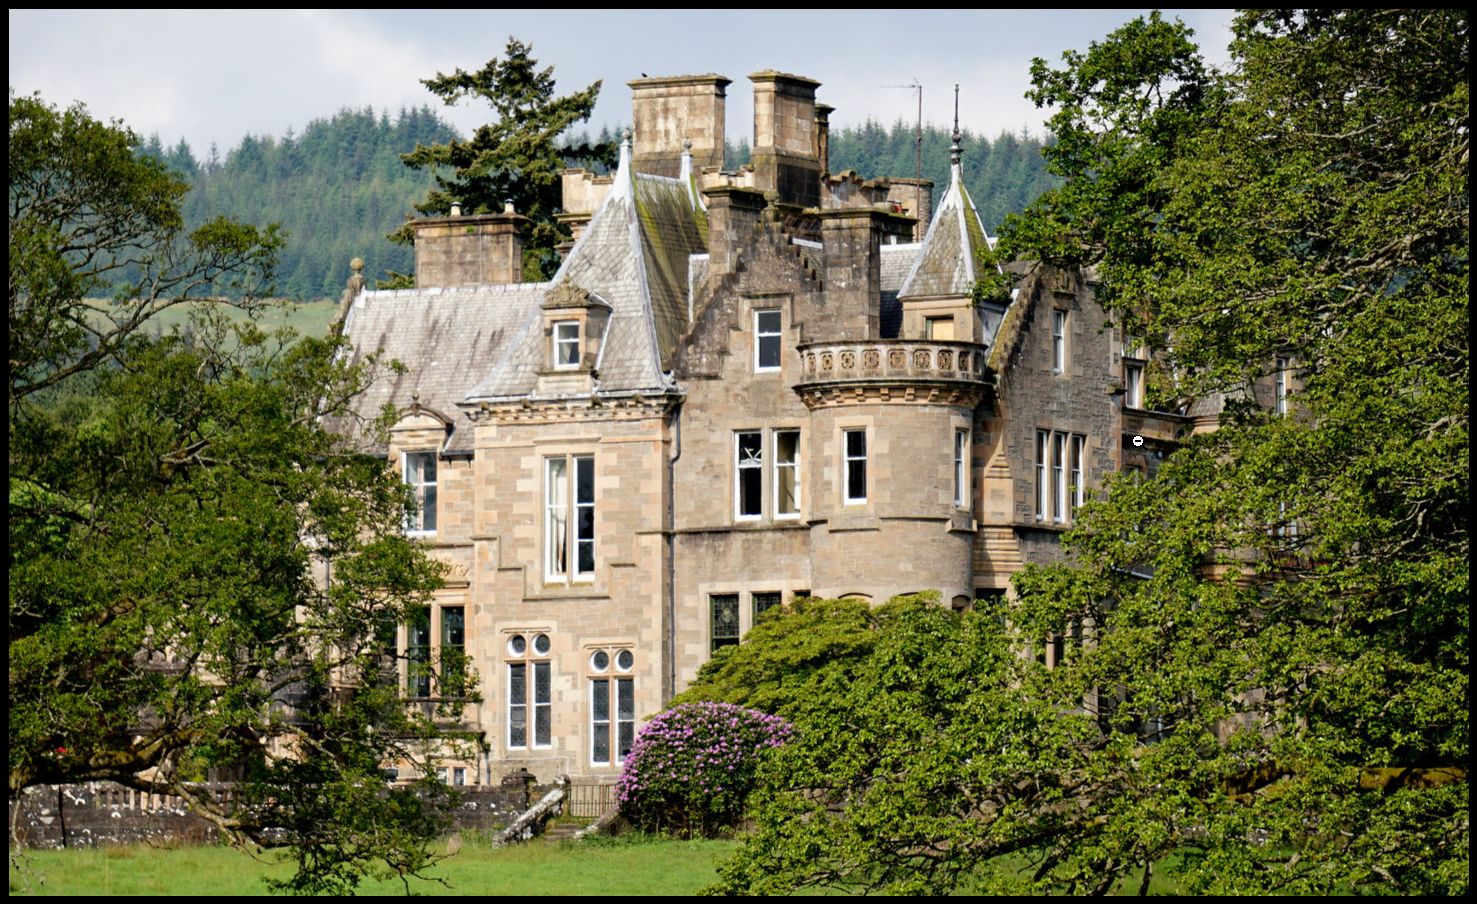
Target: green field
point(638, 866)
point(309, 318)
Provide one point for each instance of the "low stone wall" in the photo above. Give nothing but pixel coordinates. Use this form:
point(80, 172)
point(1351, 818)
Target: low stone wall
point(102, 813)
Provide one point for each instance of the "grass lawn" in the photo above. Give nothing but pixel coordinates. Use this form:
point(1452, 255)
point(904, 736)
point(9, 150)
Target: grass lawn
point(603, 867)
point(310, 318)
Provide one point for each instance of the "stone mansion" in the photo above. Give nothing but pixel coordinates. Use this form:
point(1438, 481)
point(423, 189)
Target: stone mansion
point(740, 388)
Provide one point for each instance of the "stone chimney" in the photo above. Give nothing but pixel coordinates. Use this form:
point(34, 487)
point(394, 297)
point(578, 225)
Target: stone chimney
point(785, 157)
point(476, 250)
point(915, 197)
point(851, 268)
point(665, 111)
point(823, 136)
point(734, 213)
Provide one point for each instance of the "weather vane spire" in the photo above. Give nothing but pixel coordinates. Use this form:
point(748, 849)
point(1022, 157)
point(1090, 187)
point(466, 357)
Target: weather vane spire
point(954, 149)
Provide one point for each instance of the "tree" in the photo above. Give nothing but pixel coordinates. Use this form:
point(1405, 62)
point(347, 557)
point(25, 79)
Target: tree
point(90, 217)
point(518, 157)
point(692, 767)
point(918, 752)
point(203, 581)
point(1269, 690)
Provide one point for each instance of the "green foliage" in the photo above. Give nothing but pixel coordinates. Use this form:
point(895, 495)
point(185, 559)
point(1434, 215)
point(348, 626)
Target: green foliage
point(692, 767)
point(910, 771)
point(517, 158)
point(89, 217)
point(1309, 576)
point(340, 181)
point(1267, 682)
point(787, 659)
point(200, 576)
point(1003, 175)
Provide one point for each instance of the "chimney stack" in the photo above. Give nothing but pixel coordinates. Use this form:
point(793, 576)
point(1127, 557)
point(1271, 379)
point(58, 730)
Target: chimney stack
point(785, 154)
point(823, 136)
point(851, 267)
point(664, 111)
point(477, 250)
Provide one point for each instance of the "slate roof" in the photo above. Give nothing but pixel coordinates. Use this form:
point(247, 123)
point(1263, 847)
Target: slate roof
point(634, 255)
point(946, 264)
point(897, 262)
point(444, 337)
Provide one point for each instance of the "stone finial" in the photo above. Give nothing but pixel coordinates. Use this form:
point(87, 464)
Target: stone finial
point(357, 265)
point(955, 151)
point(508, 206)
point(624, 164)
point(456, 209)
point(568, 295)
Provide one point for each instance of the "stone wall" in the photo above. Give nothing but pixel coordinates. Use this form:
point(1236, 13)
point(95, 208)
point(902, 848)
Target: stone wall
point(100, 814)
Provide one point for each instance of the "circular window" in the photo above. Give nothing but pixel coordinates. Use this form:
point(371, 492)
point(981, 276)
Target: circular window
point(624, 660)
point(517, 645)
point(600, 661)
point(541, 645)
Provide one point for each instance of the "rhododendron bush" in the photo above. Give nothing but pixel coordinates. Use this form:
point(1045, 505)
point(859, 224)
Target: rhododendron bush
point(691, 768)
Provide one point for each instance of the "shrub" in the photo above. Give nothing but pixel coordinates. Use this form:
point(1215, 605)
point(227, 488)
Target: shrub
point(692, 767)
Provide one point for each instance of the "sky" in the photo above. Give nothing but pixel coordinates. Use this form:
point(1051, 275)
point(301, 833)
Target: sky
point(212, 76)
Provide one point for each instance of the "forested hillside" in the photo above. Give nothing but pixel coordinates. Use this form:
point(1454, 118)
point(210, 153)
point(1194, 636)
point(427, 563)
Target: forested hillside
point(339, 187)
point(1003, 175)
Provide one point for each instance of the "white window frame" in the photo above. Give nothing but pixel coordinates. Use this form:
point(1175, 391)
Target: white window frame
point(780, 468)
point(1061, 475)
point(1058, 341)
point(566, 334)
point(1043, 466)
point(538, 695)
point(753, 467)
point(563, 507)
point(447, 649)
point(849, 462)
point(1279, 387)
point(961, 468)
point(1133, 384)
point(616, 684)
point(773, 336)
point(416, 525)
point(1078, 478)
point(418, 653)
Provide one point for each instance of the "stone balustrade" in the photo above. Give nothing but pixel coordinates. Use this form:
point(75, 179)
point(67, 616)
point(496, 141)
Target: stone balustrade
point(883, 367)
point(891, 359)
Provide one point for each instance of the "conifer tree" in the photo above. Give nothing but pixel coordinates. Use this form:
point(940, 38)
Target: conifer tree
point(516, 158)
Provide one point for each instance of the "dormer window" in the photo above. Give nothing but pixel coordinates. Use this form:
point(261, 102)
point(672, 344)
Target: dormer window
point(575, 323)
point(566, 344)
